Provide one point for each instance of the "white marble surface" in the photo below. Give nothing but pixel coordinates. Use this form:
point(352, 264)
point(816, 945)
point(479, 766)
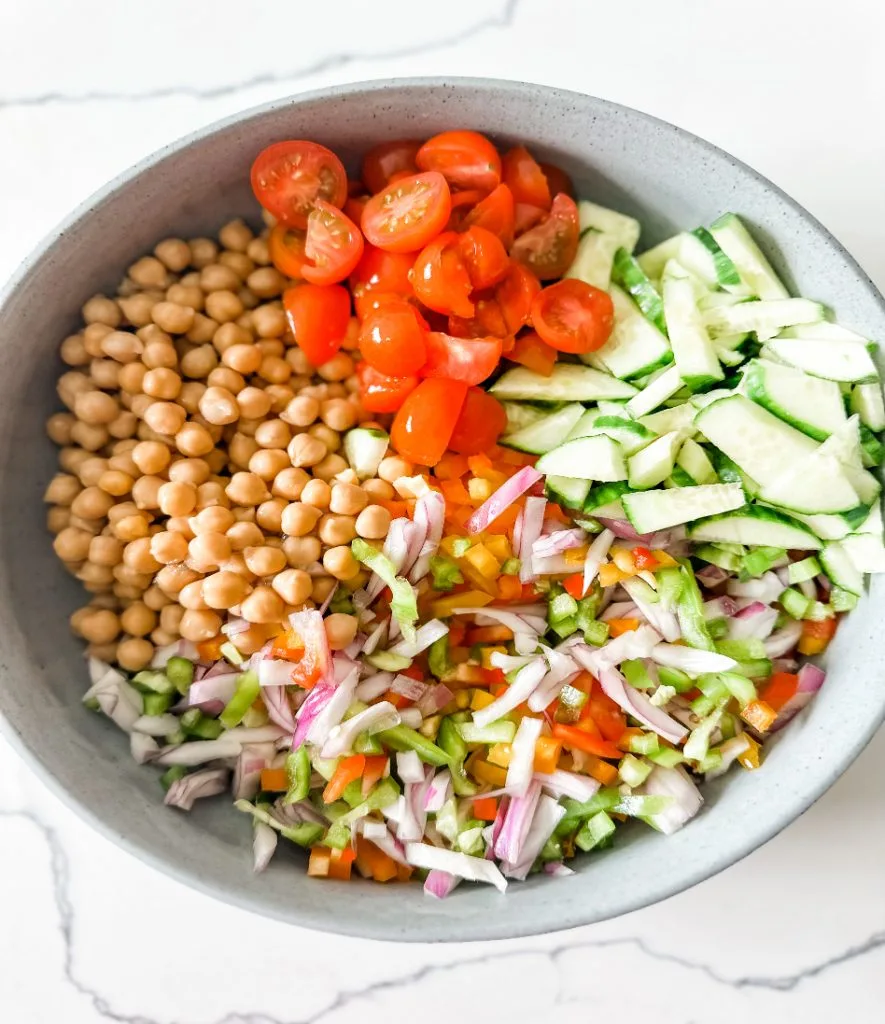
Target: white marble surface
point(796, 931)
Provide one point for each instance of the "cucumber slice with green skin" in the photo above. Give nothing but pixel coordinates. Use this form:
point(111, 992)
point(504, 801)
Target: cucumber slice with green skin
point(594, 259)
point(664, 385)
point(588, 458)
point(872, 523)
point(653, 261)
point(823, 330)
point(810, 404)
point(629, 434)
point(635, 347)
point(609, 408)
point(866, 551)
point(627, 273)
point(546, 433)
point(567, 491)
point(649, 511)
point(695, 359)
point(845, 445)
point(755, 525)
point(678, 417)
point(569, 382)
point(603, 496)
point(732, 349)
point(694, 461)
point(837, 564)
point(867, 402)
point(764, 318)
point(843, 361)
point(521, 414)
point(837, 526)
point(816, 484)
point(364, 448)
point(725, 273)
point(613, 510)
point(609, 222)
point(654, 463)
point(745, 254)
point(760, 444)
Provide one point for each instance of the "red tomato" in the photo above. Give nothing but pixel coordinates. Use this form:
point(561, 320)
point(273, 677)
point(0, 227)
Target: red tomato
point(334, 244)
point(380, 393)
point(354, 207)
point(392, 340)
point(573, 316)
point(286, 249)
point(526, 216)
point(426, 420)
point(470, 360)
point(462, 204)
point(486, 321)
point(386, 159)
point(384, 271)
point(496, 214)
point(465, 159)
point(440, 279)
point(407, 214)
point(289, 177)
point(515, 295)
point(530, 351)
point(525, 178)
point(481, 423)
point(484, 255)
point(558, 180)
point(318, 316)
point(549, 248)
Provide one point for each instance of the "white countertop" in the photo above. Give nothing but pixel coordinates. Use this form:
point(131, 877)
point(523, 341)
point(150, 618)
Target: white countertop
point(796, 931)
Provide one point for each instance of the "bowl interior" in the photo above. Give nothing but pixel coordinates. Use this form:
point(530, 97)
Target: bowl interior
point(616, 156)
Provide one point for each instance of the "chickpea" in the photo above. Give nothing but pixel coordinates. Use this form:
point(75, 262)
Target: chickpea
point(95, 407)
point(353, 386)
point(227, 379)
point(72, 544)
point(62, 489)
point(57, 518)
point(98, 625)
point(322, 588)
point(151, 334)
point(189, 471)
point(199, 362)
point(299, 519)
point(348, 499)
point(301, 551)
point(290, 483)
point(149, 272)
point(138, 619)
point(269, 515)
point(237, 564)
point(317, 493)
point(264, 560)
point(305, 450)
point(336, 368)
point(224, 589)
point(203, 252)
point(190, 396)
point(191, 596)
point(134, 653)
point(137, 308)
point(269, 321)
point(243, 535)
point(172, 578)
point(280, 396)
point(146, 492)
point(373, 522)
point(213, 519)
point(335, 529)
point(299, 362)
point(204, 328)
point(137, 556)
point(216, 460)
point(330, 438)
point(173, 253)
point(230, 334)
point(154, 598)
point(172, 317)
point(124, 426)
point(293, 586)
point(91, 503)
point(151, 457)
point(105, 373)
point(168, 547)
point(301, 411)
point(273, 433)
point(219, 406)
point(224, 305)
point(73, 351)
point(92, 526)
point(208, 550)
point(177, 524)
point(58, 427)
point(131, 528)
point(105, 551)
point(329, 467)
point(170, 618)
point(340, 563)
point(194, 439)
point(253, 403)
point(247, 489)
point(340, 630)
point(131, 378)
point(392, 468)
point(244, 359)
point(211, 493)
point(264, 604)
point(177, 498)
point(91, 470)
point(122, 346)
point(88, 436)
point(347, 476)
point(258, 252)
point(268, 462)
point(266, 282)
point(71, 459)
point(165, 418)
point(236, 235)
point(162, 382)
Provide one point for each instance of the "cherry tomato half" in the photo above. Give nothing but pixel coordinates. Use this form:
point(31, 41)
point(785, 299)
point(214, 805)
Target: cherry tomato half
point(470, 360)
point(481, 423)
point(549, 248)
point(288, 178)
point(466, 159)
point(392, 339)
point(530, 351)
point(318, 316)
point(573, 316)
point(286, 248)
point(495, 213)
point(386, 159)
point(558, 180)
point(426, 420)
point(484, 256)
point(407, 214)
point(526, 179)
point(515, 295)
point(440, 278)
point(334, 244)
point(384, 271)
point(526, 217)
point(380, 393)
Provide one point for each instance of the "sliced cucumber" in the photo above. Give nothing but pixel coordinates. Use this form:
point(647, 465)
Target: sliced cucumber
point(589, 458)
point(844, 361)
point(823, 330)
point(808, 403)
point(364, 448)
point(567, 491)
point(867, 402)
point(816, 484)
point(755, 525)
point(521, 414)
point(764, 317)
point(654, 463)
point(613, 510)
point(834, 527)
point(872, 523)
point(762, 446)
point(546, 433)
point(568, 383)
point(636, 346)
point(629, 434)
point(695, 359)
point(627, 273)
point(608, 408)
point(732, 349)
point(653, 261)
point(693, 459)
point(866, 551)
point(594, 259)
point(838, 565)
point(724, 272)
point(746, 255)
point(677, 417)
point(662, 386)
point(649, 511)
point(603, 496)
point(609, 222)
point(845, 445)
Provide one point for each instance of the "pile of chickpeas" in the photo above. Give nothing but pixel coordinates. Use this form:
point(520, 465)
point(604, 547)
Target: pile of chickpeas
point(201, 469)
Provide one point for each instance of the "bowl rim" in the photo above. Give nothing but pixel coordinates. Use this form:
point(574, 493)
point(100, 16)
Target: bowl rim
point(534, 924)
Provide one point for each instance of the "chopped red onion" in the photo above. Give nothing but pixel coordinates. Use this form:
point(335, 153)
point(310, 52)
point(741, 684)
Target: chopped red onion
point(511, 618)
point(200, 751)
point(233, 627)
point(507, 662)
point(179, 649)
point(426, 635)
point(279, 708)
point(767, 588)
point(405, 686)
point(754, 622)
point(330, 709)
point(556, 543)
point(621, 528)
point(414, 817)
point(556, 869)
point(122, 703)
point(691, 660)
point(264, 844)
point(212, 689)
point(783, 640)
point(375, 638)
point(663, 621)
point(474, 869)
point(720, 608)
point(811, 679)
point(522, 755)
point(143, 748)
point(376, 717)
point(596, 555)
point(562, 783)
point(155, 725)
point(436, 696)
point(730, 751)
point(342, 666)
point(784, 665)
point(438, 791)
point(440, 884)
point(251, 761)
point(517, 822)
point(712, 575)
point(525, 643)
point(309, 626)
point(274, 672)
point(548, 814)
point(373, 686)
point(256, 734)
point(686, 798)
point(99, 669)
point(562, 668)
point(429, 516)
point(196, 786)
point(411, 717)
point(635, 643)
point(519, 690)
point(640, 707)
point(509, 492)
point(808, 589)
point(619, 610)
point(530, 531)
point(409, 767)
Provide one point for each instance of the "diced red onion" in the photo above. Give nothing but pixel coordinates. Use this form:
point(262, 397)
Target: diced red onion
point(811, 679)
point(251, 761)
point(712, 575)
point(414, 818)
point(619, 610)
point(256, 734)
point(640, 707)
point(438, 791)
point(179, 649)
point(720, 608)
point(409, 766)
point(547, 816)
point(440, 884)
point(784, 665)
point(474, 869)
point(562, 668)
point(155, 725)
point(518, 623)
point(556, 543)
point(233, 627)
point(331, 710)
point(532, 521)
point(767, 588)
point(405, 686)
point(375, 638)
point(279, 708)
point(621, 528)
point(143, 748)
point(430, 512)
point(556, 869)
point(396, 547)
point(200, 751)
point(522, 755)
point(426, 635)
point(509, 492)
point(373, 686)
point(518, 691)
point(754, 622)
point(596, 555)
point(691, 660)
point(517, 823)
point(274, 672)
point(507, 662)
point(552, 565)
point(686, 798)
point(808, 589)
point(342, 666)
point(411, 717)
point(196, 786)
point(525, 643)
point(212, 688)
point(264, 844)
point(309, 626)
point(376, 717)
point(783, 640)
point(635, 643)
point(122, 703)
point(730, 751)
point(561, 783)
point(491, 833)
point(436, 696)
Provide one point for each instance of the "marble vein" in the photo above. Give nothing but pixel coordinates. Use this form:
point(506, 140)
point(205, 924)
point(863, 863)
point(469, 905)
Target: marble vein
point(502, 20)
point(346, 998)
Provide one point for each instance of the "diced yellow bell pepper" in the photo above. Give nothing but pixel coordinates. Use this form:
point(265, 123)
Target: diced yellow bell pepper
point(759, 715)
point(443, 607)
point(499, 546)
point(483, 561)
point(547, 752)
point(486, 656)
point(751, 757)
point(448, 544)
point(610, 574)
point(469, 674)
point(576, 556)
point(663, 559)
point(500, 754)
point(623, 559)
point(480, 490)
point(480, 699)
point(477, 579)
point(491, 774)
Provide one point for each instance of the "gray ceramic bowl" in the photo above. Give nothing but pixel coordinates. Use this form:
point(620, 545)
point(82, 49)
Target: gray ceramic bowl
point(616, 156)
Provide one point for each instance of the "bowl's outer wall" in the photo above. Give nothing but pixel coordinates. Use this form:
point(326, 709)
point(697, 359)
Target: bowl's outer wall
point(618, 157)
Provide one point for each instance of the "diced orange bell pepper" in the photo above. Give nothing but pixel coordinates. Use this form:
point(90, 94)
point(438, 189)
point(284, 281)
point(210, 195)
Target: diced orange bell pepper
point(500, 754)
point(644, 559)
point(610, 574)
point(617, 627)
point(488, 635)
point(398, 700)
point(503, 524)
point(480, 699)
point(482, 771)
point(574, 585)
point(274, 780)
point(575, 556)
point(499, 546)
point(664, 559)
point(554, 511)
point(752, 756)
point(480, 465)
point(780, 688)
point(816, 636)
point(485, 808)
point(288, 645)
point(627, 736)
point(486, 657)
point(605, 774)
point(579, 739)
point(210, 650)
point(376, 767)
point(455, 492)
point(318, 865)
point(443, 607)
point(479, 490)
point(759, 714)
point(509, 588)
point(483, 561)
point(349, 769)
point(609, 718)
point(373, 862)
point(450, 467)
point(340, 864)
point(547, 752)
point(469, 675)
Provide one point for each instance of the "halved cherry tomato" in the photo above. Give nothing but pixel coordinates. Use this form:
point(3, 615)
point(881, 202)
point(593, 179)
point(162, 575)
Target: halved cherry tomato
point(392, 339)
point(495, 213)
point(526, 216)
point(288, 178)
point(487, 320)
point(440, 279)
point(466, 159)
point(386, 159)
point(380, 393)
point(530, 351)
point(558, 180)
point(484, 255)
point(407, 214)
point(515, 295)
point(318, 316)
point(354, 207)
point(573, 316)
point(462, 204)
point(333, 243)
point(286, 248)
point(386, 271)
point(549, 248)
point(426, 420)
point(481, 423)
point(470, 360)
point(526, 179)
